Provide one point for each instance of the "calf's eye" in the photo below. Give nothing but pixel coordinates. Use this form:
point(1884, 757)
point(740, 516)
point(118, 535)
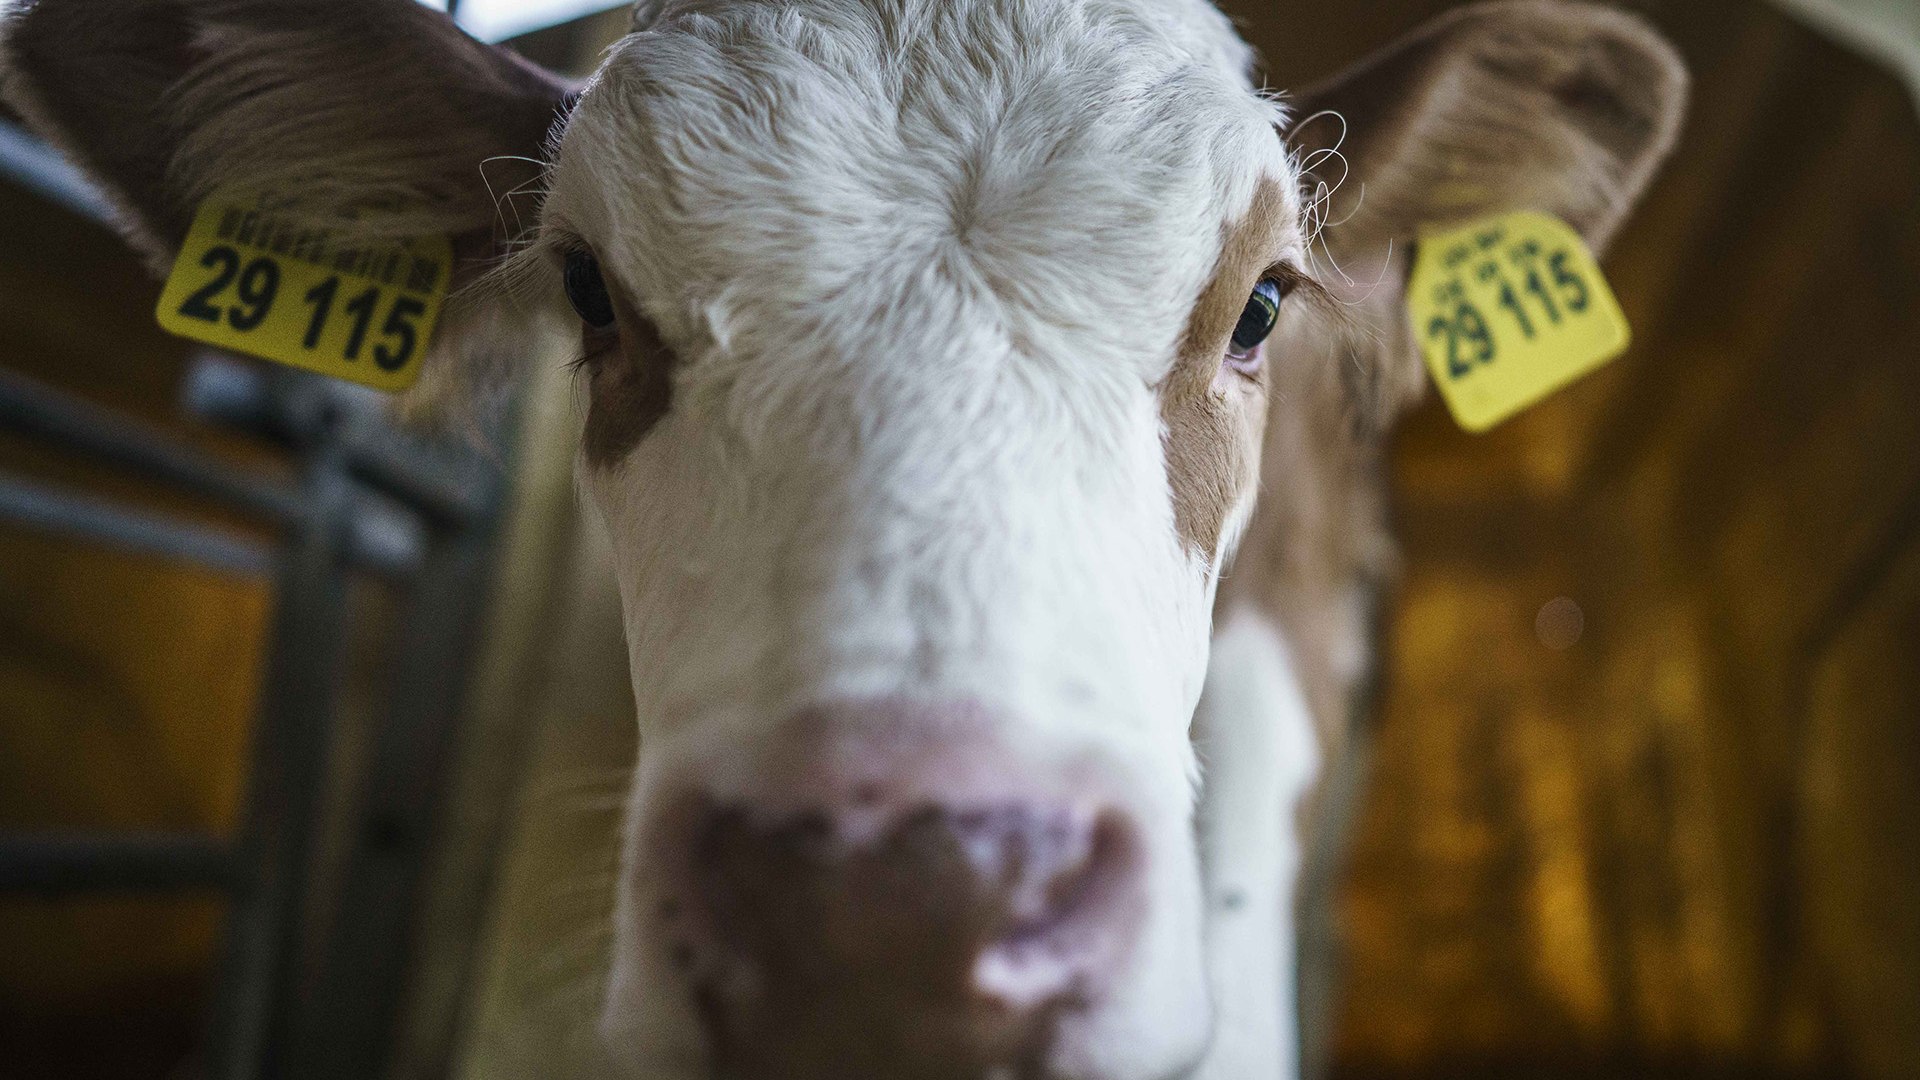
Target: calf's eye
point(587, 290)
point(1257, 319)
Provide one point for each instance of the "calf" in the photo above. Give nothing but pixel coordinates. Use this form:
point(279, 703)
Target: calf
point(934, 352)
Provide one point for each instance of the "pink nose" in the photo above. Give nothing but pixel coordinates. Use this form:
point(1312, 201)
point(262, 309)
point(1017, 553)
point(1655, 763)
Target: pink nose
point(882, 932)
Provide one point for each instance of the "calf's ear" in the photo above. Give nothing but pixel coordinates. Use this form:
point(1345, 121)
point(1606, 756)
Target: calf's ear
point(1535, 104)
point(381, 111)
point(340, 106)
point(1524, 104)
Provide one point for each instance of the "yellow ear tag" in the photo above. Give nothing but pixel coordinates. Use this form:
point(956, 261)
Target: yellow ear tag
point(310, 297)
point(1509, 309)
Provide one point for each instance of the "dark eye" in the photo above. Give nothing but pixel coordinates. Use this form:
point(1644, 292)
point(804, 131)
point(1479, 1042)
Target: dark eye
point(1257, 319)
point(587, 290)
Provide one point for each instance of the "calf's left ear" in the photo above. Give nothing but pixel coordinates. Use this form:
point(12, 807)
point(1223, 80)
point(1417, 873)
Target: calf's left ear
point(1566, 108)
point(1518, 105)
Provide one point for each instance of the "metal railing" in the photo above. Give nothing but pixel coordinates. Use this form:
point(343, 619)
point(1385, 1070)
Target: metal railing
point(364, 498)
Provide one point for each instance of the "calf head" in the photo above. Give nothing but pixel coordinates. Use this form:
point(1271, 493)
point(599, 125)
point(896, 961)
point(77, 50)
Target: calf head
point(928, 351)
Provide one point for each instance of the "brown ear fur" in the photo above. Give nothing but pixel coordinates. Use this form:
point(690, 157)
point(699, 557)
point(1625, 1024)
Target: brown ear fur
point(342, 104)
point(1562, 107)
point(1518, 104)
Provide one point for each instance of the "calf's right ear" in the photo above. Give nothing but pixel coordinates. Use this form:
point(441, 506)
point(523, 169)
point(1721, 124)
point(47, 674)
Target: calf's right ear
point(338, 106)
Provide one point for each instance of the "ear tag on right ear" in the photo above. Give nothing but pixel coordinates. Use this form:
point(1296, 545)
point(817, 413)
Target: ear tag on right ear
point(1509, 309)
point(310, 297)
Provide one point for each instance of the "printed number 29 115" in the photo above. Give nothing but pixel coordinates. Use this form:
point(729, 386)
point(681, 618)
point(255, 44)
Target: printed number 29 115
point(1508, 309)
point(305, 296)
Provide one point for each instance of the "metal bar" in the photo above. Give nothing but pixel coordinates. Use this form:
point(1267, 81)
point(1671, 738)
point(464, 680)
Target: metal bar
point(291, 740)
point(445, 483)
point(34, 409)
point(94, 519)
point(384, 537)
point(54, 863)
point(450, 487)
point(39, 168)
point(359, 989)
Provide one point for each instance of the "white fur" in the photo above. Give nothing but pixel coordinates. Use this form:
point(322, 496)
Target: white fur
point(1257, 748)
point(922, 264)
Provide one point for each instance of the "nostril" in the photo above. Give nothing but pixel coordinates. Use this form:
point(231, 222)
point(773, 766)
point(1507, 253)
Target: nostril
point(1073, 926)
point(1037, 858)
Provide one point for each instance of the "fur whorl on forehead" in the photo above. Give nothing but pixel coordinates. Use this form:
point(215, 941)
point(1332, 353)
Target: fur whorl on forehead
point(1059, 169)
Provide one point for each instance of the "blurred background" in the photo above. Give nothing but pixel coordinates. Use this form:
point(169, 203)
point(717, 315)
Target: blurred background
point(313, 732)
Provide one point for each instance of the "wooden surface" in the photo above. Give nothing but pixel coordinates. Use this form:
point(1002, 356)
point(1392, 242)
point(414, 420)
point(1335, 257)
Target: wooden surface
point(1689, 842)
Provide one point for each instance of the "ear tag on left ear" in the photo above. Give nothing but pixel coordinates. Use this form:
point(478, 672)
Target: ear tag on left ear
point(311, 297)
point(1509, 309)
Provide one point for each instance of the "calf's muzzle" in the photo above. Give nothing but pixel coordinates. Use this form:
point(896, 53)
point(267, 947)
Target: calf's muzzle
point(900, 906)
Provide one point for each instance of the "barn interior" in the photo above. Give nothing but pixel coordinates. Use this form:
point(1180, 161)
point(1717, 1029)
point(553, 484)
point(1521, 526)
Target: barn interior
point(1644, 797)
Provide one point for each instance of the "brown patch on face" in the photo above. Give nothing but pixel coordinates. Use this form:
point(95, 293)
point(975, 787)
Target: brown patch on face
point(1214, 418)
point(629, 384)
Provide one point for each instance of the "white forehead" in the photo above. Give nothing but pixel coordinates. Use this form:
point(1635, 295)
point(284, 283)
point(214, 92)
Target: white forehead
point(1028, 176)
